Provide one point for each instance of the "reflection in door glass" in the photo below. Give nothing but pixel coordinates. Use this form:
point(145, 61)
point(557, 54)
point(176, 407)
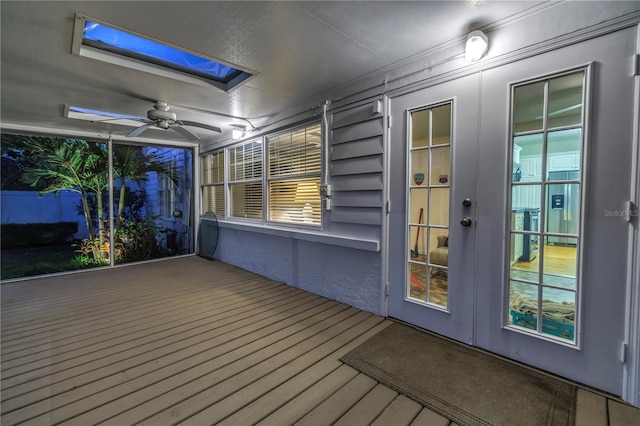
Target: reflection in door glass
point(428, 207)
point(560, 261)
point(545, 205)
point(558, 312)
point(440, 165)
point(565, 100)
point(528, 102)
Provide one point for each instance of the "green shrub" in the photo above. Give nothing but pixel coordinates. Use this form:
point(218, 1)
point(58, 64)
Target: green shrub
point(138, 241)
point(16, 235)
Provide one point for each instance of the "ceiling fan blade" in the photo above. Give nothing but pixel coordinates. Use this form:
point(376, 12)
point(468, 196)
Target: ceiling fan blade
point(201, 125)
point(185, 132)
point(137, 131)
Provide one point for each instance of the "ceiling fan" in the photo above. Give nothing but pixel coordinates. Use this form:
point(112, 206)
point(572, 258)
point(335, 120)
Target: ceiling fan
point(161, 117)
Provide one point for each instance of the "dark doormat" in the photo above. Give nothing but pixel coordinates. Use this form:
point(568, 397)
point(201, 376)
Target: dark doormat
point(463, 384)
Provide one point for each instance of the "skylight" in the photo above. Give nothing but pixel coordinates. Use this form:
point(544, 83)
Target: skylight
point(91, 34)
point(95, 115)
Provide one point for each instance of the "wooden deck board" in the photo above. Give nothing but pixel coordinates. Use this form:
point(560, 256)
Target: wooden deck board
point(99, 321)
point(144, 350)
point(427, 417)
point(260, 407)
point(189, 341)
point(147, 322)
point(369, 407)
point(304, 403)
point(196, 347)
point(242, 373)
point(401, 412)
point(334, 407)
point(219, 361)
point(621, 414)
point(591, 409)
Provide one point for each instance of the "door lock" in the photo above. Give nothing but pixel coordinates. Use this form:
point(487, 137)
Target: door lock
point(466, 202)
point(466, 221)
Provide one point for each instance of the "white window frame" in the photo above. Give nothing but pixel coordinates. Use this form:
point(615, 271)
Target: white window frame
point(265, 179)
point(305, 209)
point(244, 180)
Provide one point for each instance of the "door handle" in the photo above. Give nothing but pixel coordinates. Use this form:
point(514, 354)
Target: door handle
point(466, 221)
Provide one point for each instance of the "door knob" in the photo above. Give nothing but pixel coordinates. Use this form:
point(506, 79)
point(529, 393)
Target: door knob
point(466, 202)
point(466, 221)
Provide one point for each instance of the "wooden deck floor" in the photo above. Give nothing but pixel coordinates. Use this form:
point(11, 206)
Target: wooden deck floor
point(188, 341)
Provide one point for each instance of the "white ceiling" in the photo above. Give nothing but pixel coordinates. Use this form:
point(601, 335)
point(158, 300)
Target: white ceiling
point(298, 49)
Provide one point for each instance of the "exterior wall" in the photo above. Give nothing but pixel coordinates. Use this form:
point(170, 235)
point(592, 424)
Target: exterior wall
point(183, 197)
point(339, 269)
point(29, 207)
point(356, 137)
point(344, 274)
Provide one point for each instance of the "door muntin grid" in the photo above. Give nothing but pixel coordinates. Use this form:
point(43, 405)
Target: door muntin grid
point(428, 200)
point(548, 128)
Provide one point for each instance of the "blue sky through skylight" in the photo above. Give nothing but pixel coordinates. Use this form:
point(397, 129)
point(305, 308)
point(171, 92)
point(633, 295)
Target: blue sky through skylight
point(111, 39)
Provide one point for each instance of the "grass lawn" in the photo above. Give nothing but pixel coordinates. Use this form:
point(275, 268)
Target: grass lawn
point(26, 262)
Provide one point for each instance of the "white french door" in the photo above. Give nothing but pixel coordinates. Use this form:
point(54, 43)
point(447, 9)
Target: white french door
point(507, 191)
point(433, 157)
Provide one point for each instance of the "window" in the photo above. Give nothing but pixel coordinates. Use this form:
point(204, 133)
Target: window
point(166, 192)
point(547, 140)
point(295, 160)
point(92, 37)
point(283, 178)
point(213, 183)
point(245, 180)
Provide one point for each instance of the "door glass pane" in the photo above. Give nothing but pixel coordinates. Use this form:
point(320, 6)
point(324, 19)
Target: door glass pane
point(438, 266)
point(417, 284)
point(563, 209)
point(440, 165)
point(558, 313)
point(418, 243)
point(419, 167)
point(528, 157)
point(528, 105)
point(439, 207)
point(525, 198)
point(564, 154)
point(420, 128)
point(523, 305)
point(418, 205)
point(441, 122)
point(560, 256)
point(565, 100)
point(526, 266)
point(428, 205)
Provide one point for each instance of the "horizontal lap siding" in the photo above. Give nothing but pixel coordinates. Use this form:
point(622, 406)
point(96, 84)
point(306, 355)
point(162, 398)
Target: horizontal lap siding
point(357, 165)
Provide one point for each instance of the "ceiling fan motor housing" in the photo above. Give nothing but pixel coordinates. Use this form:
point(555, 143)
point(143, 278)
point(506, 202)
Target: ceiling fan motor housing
point(159, 115)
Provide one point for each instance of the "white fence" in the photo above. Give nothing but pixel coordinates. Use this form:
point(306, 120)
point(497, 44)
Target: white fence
point(29, 207)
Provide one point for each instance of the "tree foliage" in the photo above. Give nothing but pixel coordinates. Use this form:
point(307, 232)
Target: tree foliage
point(51, 165)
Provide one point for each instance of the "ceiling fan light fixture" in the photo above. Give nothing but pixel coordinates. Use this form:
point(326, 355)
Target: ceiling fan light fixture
point(477, 46)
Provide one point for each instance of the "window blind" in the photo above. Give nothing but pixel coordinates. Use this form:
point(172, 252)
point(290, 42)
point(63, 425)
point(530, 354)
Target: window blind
point(295, 162)
point(245, 180)
point(213, 194)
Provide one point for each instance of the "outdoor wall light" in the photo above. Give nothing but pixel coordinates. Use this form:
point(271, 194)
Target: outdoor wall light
point(477, 46)
point(238, 132)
